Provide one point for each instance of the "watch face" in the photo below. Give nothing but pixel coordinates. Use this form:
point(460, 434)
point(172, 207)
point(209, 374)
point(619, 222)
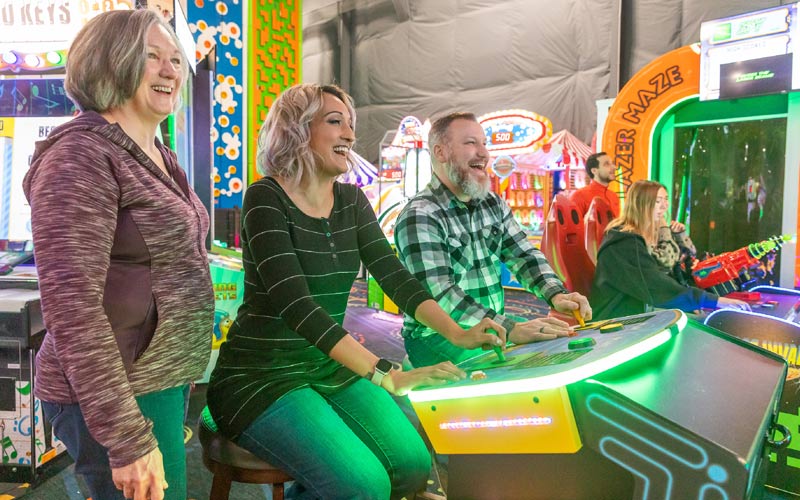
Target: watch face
point(383, 365)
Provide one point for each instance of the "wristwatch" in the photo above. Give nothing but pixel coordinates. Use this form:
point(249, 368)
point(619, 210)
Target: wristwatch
point(382, 367)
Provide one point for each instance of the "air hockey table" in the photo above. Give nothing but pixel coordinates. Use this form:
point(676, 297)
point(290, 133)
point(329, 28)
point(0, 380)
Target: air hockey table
point(656, 406)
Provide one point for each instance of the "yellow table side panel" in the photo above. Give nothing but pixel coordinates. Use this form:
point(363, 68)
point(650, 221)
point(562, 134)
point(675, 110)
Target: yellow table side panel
point(530, 422)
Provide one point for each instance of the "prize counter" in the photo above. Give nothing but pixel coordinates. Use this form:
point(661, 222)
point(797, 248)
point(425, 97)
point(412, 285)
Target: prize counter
point(646, 406)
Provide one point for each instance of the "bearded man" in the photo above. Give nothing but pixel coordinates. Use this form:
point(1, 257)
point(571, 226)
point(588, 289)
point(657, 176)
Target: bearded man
point(453, 235)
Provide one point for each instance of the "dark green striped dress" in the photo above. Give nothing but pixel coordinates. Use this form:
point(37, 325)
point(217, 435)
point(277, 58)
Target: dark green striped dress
point(298, 274)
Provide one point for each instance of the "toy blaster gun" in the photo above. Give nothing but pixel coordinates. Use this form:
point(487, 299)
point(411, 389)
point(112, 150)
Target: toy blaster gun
point(719, 273)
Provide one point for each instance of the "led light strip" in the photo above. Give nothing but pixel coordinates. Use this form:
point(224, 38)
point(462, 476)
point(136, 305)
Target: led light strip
point(495, 424)
point(549, 381)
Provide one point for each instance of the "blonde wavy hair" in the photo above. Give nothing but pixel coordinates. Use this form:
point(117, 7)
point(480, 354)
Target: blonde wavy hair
point(637, 216)
point(284, 140)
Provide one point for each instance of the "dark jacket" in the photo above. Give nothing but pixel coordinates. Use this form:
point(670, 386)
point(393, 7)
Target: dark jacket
point(124, 279)
point(628, 279)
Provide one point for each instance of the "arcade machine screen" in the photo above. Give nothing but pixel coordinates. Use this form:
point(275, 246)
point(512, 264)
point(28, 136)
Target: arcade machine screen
point(728, 185)
point(29, 110)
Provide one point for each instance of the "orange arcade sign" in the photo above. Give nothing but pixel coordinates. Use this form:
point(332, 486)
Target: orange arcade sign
point(640, 105)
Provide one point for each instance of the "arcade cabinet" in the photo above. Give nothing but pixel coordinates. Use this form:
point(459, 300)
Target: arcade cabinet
point(645, 406)
point(781, 336)
point(722, 141)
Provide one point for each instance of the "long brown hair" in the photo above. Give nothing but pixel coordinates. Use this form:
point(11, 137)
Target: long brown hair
point(637, 216)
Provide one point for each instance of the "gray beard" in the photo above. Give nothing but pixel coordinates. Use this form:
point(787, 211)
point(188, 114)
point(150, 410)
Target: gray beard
point(475, 190)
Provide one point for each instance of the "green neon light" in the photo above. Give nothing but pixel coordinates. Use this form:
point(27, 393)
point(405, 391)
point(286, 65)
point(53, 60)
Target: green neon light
point(755, 75)
point(722, 32)
point(552, 381)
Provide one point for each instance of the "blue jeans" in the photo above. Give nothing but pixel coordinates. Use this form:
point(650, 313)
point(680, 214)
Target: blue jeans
point(355, 444)
point(166, 409)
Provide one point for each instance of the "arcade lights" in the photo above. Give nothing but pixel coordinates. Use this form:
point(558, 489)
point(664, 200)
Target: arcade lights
point(15, 61)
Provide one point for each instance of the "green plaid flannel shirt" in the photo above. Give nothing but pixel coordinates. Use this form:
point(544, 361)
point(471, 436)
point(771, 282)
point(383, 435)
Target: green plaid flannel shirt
point(455, 250)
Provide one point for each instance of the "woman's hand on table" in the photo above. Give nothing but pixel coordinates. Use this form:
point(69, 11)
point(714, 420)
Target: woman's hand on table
point(399, 382)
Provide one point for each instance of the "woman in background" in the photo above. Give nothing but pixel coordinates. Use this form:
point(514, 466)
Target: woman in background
point(628, 278)
point(119, 240)
point(291, 385)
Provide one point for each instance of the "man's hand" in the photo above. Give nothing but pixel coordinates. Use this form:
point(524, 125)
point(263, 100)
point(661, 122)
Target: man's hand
point(400, 382)
point(568, 302)
point(142, 479)
point(479, 336)
point(538, 330)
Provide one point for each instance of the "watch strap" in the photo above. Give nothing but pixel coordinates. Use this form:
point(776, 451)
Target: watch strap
point(380, 370)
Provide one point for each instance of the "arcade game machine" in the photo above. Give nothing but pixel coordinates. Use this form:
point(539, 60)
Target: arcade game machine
point(645, 406)
point(519, 178)
point(716, 123)
point(403, 171)
point(775, 329)
point(558, 165)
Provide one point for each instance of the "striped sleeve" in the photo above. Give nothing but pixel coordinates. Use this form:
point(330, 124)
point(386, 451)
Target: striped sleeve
point(266, 229)
point(377, 255)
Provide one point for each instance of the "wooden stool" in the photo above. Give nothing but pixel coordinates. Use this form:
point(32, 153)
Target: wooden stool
point(229, 462)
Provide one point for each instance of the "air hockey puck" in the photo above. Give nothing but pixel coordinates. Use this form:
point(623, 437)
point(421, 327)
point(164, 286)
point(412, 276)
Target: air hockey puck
point(611, 327)
point(582, 343)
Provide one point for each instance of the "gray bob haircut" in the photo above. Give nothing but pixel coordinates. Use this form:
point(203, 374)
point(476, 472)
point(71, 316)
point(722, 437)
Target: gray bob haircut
point(284, 141)
point(105, 63)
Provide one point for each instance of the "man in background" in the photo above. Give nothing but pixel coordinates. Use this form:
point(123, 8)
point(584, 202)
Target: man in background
point(601, 170)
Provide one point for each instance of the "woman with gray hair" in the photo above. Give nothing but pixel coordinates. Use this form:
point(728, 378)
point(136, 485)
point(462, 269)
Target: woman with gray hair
point(119, 242)
point(291, 385)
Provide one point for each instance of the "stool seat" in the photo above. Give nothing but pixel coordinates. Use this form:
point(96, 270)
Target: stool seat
point(229, 462)
point(226, 452)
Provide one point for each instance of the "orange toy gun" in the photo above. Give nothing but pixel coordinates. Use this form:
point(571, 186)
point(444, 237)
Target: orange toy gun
point(719, 273)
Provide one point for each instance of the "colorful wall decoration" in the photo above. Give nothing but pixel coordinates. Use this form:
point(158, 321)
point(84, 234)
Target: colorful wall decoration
point(274, 61)
point(219, 24)
point(23, 440)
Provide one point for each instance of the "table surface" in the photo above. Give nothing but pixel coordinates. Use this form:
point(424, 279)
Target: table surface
point(555, 357)
point(13, 300)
